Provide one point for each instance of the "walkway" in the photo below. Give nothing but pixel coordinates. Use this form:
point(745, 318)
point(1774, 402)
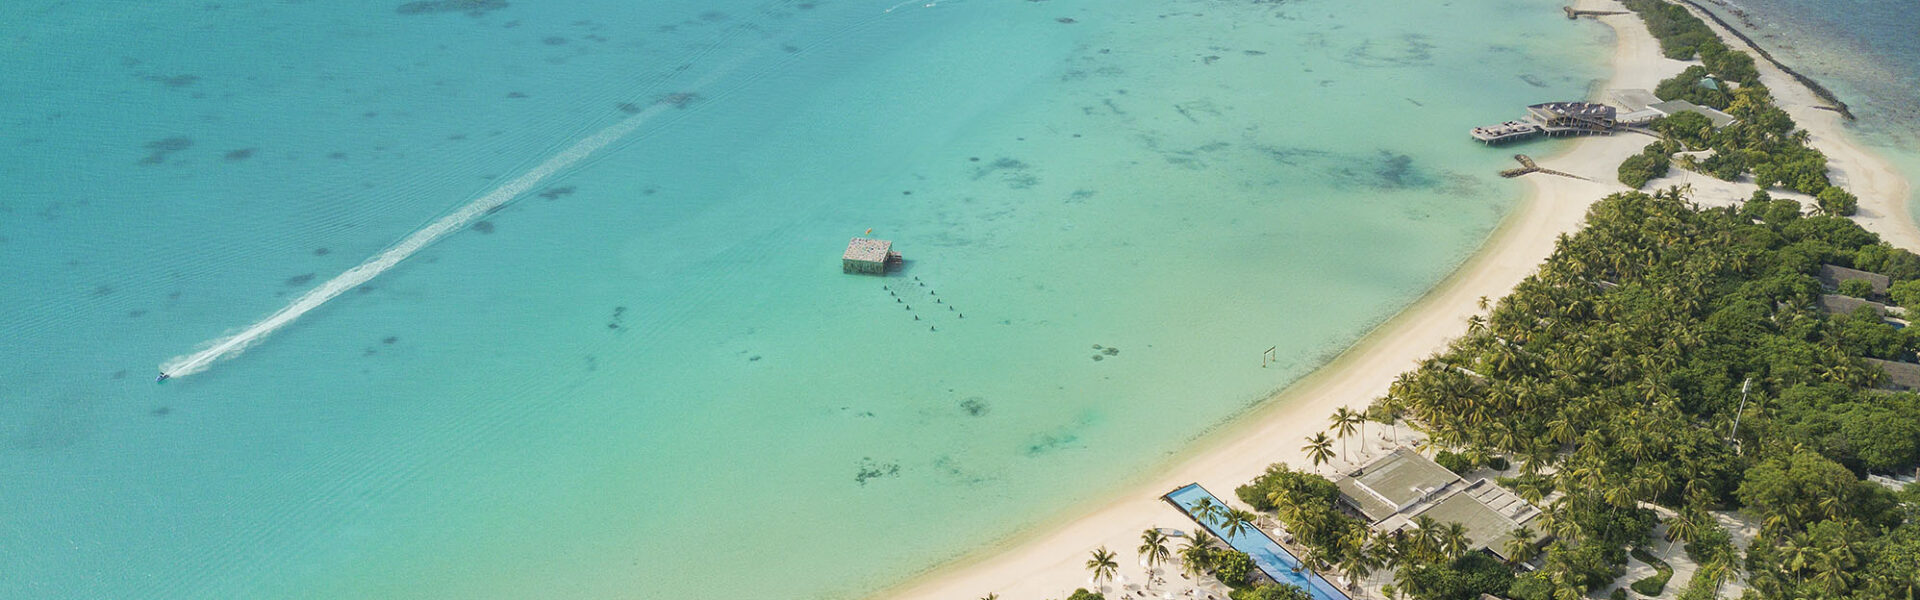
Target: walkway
point(1273, 560)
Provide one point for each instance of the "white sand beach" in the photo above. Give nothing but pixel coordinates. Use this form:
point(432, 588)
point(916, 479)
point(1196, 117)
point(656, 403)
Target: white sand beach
point(1049, 562)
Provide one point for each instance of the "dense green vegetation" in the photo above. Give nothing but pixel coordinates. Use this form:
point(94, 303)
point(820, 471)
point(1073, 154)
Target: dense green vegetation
point(1764, 141)
point(1653, 584)
point(1269, 591)
point(1650, 163)
point(1621, 366)
point(1680, 34)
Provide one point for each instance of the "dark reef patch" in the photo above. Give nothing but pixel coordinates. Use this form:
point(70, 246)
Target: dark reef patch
point(870, 470)
point(175, 81)
point(239, 155)
point(472, 8)
point(483, 227)
point(678, 99)
point(628, 108)
point(301, 279)
point(322, 251)
point(975, 406)
point(159, 150)
point(557, 193)
point(554, 40)
point(516, 95)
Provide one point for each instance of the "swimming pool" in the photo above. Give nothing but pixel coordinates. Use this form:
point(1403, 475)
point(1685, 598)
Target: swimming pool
point(1267, 554)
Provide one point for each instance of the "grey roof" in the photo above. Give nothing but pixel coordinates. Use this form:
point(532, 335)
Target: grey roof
point(868, 250)
point(1831, 276)
point(1903, 376)
point(1634, 100)
point(1576, 109)
point(1672, 107)
point(1394, 482)
point(1838, 304)
point(1397, 488)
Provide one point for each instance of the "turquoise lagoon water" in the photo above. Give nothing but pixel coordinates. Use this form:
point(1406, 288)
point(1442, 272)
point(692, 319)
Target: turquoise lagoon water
point(647, 378)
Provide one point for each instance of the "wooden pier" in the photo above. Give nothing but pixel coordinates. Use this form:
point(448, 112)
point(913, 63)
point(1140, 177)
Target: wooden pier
point(869, 256)
point(1575, 13)
point(1527, 166)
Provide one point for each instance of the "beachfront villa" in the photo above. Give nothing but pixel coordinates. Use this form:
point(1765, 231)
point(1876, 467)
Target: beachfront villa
point(1902, 376)
point(869, 256)
point(1395, 489)
point(1831, 276)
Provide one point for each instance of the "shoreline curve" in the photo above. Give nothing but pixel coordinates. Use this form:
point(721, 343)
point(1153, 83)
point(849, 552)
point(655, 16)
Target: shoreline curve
point(1046, 560)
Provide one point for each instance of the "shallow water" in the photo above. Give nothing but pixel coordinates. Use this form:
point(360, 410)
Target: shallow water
point(648, 379)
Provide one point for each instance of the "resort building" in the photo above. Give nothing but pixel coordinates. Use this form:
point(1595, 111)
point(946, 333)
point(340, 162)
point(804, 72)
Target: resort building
point(1901, 376)
point(1835, 304)
point(1832, 276)
point(1394, 490)
point(1573, 118)
point(869, 256)
point(1674, 107)
point(1641, 107)
point(1552, 118)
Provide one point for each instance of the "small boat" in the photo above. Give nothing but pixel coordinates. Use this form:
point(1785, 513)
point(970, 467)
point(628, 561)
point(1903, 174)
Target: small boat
point(162, 378)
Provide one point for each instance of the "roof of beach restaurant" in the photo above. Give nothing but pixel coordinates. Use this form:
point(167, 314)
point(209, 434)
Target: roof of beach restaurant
point(1576, 109)
point(868, 250)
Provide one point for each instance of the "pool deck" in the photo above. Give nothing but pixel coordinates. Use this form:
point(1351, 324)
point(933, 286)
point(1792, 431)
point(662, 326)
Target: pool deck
point(1276, 562)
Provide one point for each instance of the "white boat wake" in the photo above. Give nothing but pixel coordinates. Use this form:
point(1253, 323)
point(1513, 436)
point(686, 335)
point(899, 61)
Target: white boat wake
point(237, 342)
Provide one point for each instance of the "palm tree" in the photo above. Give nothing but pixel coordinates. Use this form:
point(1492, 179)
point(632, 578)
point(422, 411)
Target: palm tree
point(1319, 448)
point(1197, 556)
point(1519, 545)
point(1681, 527)
point(1153, 548)
point(1453, 540)
point(990, 597)
point(1357, 564)
point(1383, 413)
point(1102, 566)
point(1237, 522)
point(1344, 421)
point(1205, 511)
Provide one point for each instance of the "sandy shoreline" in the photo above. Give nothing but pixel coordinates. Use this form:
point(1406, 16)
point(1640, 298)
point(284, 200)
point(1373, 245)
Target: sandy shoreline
point(1049, 561)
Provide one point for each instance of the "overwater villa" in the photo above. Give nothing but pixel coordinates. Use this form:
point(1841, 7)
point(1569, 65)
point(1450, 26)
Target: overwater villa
point(869, 256)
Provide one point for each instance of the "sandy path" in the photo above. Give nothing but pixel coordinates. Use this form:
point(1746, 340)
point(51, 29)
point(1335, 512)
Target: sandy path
point(1049, 562)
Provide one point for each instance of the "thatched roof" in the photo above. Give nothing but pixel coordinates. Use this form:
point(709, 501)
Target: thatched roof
point(1831, 277)
point(1902, 376)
